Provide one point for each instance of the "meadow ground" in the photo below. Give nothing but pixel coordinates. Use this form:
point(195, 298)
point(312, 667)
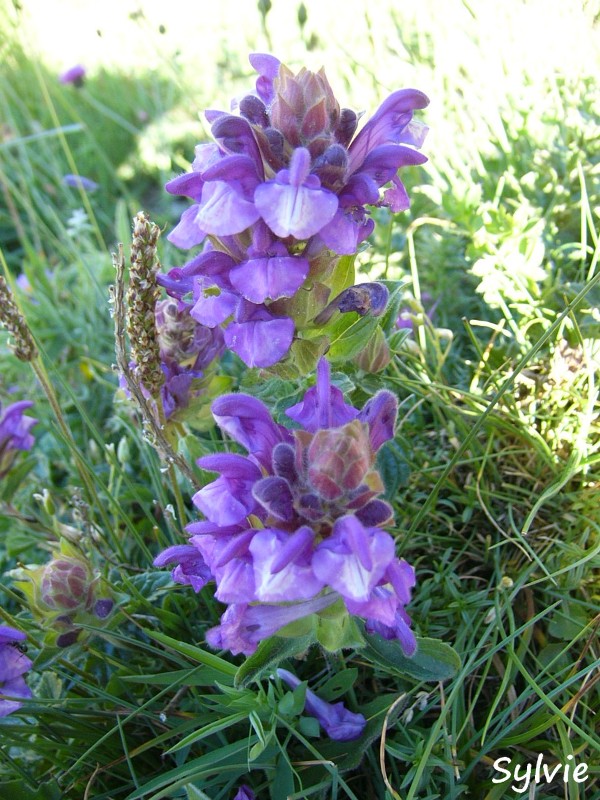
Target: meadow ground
point(494, 473)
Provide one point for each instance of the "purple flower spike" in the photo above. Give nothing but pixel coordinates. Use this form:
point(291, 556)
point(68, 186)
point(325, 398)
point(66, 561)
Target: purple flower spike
point(13, 664)
point(339, 723)
point(191, 568)
point(294, 204)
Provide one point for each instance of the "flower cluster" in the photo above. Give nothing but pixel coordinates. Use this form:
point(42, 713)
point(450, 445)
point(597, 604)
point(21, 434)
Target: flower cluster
point(13, 665)
point(15, 433)
point(295, 526)
point(281, 194)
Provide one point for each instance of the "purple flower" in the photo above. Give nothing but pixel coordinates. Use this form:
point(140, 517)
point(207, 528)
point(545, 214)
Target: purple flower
point(243, 627)
point(79, 182)
point(298, 520)
point(73, 75)
point(339, 723)
point(285, 189)
point(13, 664)
point(190, 568)
point(244, 793)
point(14, 433)
point(294, 204)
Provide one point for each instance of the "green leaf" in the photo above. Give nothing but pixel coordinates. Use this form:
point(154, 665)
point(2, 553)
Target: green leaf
point(349, 334)
point(220, 724)
point(339, 684)
point(344, 275)
point(268, 655)
point(393, 468)
point(433, 661)
point(194, 653)
point(388, 322)
point(196, 676)
point(18, 790)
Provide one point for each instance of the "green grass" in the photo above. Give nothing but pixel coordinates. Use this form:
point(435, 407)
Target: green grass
point(494, 473)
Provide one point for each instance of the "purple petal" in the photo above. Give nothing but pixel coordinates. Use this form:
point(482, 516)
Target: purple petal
point(380, 415)
point(224, 210)
point(235, 136)
point(80, 182)
point(261, 343)
point(261, 279)
point(213, 305)
point(294, 581)
point(298, 211)
point(74, 75)
point(9, 635)
point(189, 185)
point(243, 627)
point(235, 581)
point(13, 688)
point(381, 606)
point(188, 232)
point(388, 124)
point(249, 422)
point(353, 559)
point(267, 67)
point(382, 163)
point(339, 723)
point(399, 630)
point(323, 405)
point(346, 230)
point(191, 569)
point(402, 577)
point(396, 197)
point(376, 513)
point(275, 497)
point(228, 500)
point(12, 663)
point(244, 793)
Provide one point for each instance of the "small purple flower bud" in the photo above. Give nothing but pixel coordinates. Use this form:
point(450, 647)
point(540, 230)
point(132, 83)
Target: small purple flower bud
point(364, 298)
point(103, 607)
point(339, 723)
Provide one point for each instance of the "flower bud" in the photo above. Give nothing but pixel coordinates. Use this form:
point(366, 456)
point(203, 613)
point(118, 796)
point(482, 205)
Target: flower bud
point(339, 459)
point(66, 584)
